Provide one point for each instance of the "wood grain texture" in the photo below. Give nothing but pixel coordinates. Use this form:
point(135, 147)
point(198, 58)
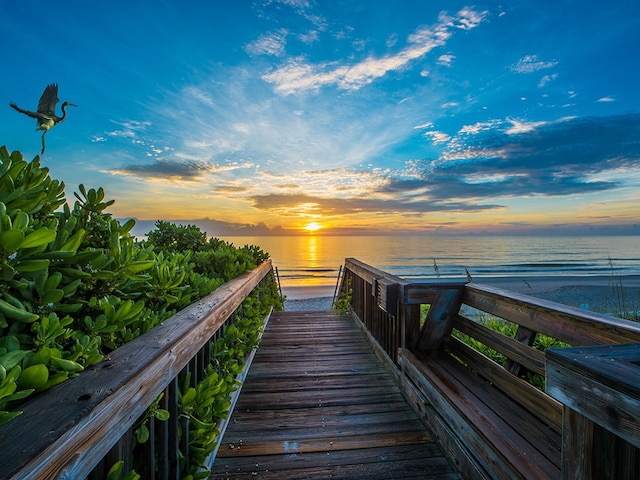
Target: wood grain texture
point(97, 408)
point(502, 437)
point(318, 403)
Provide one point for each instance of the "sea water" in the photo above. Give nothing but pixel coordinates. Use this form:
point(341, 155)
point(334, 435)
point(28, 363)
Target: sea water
point(315, 260)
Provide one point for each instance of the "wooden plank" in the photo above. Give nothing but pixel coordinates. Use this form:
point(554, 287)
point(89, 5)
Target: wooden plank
point(492, 440)
point(600, 383)
point(100, 405)
point(379, 464)
point(454, 424)
point(437, 325)
point(339, 415)
point(325, 444)
point(451, 445)
point(520, 353)
point(542, 405)
point(568, 324)
point(369, 273)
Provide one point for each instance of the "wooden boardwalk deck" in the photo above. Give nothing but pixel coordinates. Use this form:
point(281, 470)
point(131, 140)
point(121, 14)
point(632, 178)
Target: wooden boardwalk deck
point(318, 403)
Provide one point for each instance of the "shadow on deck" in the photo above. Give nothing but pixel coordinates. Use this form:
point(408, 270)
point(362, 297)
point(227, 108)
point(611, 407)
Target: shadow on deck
point(318, 403)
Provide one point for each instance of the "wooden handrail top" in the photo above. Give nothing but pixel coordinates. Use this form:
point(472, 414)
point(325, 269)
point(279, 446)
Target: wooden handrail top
point(101, 404)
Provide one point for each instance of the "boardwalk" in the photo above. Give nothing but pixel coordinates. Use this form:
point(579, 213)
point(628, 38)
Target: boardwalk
point(317, 403)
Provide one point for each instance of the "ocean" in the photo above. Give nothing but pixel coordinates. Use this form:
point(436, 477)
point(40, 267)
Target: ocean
point(314, 260)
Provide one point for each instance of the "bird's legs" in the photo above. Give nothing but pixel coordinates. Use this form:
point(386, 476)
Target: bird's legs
point(43, 134)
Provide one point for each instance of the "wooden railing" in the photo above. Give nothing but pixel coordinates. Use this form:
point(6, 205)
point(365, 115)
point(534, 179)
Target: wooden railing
point(481, 390)
point(84, 426)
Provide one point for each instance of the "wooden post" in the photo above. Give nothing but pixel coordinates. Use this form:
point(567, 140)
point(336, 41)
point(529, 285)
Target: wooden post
point(437, 325)
point(599, 387)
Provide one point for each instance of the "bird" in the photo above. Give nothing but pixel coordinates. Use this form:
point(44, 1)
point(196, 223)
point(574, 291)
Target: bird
point(46, 113)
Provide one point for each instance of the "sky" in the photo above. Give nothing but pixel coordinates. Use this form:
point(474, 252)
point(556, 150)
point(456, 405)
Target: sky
point(272, 117)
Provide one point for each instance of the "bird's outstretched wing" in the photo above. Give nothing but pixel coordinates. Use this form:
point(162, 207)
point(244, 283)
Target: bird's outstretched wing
point(48, 100)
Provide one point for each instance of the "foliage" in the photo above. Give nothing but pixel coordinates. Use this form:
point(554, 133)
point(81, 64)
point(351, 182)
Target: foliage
point(75, 284)
point(207, 403)
point(343, 302)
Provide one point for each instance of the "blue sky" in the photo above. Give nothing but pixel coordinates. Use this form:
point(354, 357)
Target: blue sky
point(284, 116)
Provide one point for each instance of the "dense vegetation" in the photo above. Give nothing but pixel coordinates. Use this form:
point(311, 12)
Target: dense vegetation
point(75, 285)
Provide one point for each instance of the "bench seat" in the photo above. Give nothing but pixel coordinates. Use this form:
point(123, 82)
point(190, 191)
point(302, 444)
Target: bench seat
point(498, 436)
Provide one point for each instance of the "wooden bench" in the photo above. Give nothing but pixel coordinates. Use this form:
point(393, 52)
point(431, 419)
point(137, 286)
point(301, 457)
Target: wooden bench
point(488, 416)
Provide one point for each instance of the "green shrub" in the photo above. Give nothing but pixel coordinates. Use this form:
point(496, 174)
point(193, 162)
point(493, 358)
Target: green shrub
point(75, 284)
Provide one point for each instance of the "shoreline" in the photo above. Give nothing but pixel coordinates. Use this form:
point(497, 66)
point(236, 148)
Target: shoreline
point(601, 294)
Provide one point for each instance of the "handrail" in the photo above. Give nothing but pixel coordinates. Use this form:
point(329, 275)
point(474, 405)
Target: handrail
point(65, 433)
point(388, 307)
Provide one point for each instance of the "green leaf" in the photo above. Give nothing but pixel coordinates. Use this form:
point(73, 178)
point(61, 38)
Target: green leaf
point(32, 265)
point(161, 414)
point(142, 434)
point(11, 240)
point(136, 267)
point(38, 238)
point(115, 471)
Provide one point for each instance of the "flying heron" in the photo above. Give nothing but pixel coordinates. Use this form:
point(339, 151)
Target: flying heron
point(46, 114)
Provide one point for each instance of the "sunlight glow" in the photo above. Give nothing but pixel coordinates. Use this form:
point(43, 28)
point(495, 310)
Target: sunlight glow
point(313, 227)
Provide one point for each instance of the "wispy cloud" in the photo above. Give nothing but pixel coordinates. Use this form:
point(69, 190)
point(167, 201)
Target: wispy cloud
point(531, 63)
point(273, 43)
point(546, 79)
point(298, 76)
point(446, 60)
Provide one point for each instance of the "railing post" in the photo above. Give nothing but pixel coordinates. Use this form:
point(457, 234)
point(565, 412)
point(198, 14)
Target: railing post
point(409, 320)
point(599, 388)
point(437, 325)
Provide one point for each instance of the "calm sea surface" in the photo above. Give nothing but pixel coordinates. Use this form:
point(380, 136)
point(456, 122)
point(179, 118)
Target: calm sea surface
point(315, 260)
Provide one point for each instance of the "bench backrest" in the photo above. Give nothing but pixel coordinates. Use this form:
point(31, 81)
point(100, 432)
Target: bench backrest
point(502, 336)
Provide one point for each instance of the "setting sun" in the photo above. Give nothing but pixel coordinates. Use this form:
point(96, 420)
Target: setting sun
point(313, 227)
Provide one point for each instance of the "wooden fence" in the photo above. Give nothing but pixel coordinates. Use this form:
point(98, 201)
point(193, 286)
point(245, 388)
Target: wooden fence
point(482, 390)
point(82, 427)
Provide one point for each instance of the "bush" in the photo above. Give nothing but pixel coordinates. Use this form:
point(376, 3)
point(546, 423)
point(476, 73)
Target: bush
point(75, 285)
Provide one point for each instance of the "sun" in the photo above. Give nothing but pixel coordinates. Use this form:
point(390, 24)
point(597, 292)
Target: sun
point(313, 227)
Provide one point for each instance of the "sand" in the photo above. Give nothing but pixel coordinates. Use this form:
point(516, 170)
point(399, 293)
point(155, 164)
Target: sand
point(600, 294)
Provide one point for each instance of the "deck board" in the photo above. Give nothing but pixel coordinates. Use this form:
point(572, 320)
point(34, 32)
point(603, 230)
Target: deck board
point(317, 403)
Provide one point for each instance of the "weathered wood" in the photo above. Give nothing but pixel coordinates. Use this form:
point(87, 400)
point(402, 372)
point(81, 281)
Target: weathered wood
point(479, 413)
point(426, 293)
point(324, 413)
point(543, 406)
point(451, 445)
point(437, 325)
point(526, 337)
point(522, 354)
point(599, 388)
point(602, 383)
point(98, 407)
point(568, 324)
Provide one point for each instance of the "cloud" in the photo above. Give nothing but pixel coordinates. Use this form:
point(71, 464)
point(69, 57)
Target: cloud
point(555, 159)
point(546, 79)
point(531, 63)
point(166, 170)
point(297, 204)
point(129, 128)
point(437, 137)
point(606, 100)
point(519, 126)
point(298, 76)
point(213, 228)
point(446, 60)
point(269, 44)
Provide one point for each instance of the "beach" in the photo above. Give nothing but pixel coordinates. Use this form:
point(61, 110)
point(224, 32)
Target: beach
point(601, 294)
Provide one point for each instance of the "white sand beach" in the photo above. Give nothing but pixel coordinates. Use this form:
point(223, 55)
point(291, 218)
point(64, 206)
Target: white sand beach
point(602, 294)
